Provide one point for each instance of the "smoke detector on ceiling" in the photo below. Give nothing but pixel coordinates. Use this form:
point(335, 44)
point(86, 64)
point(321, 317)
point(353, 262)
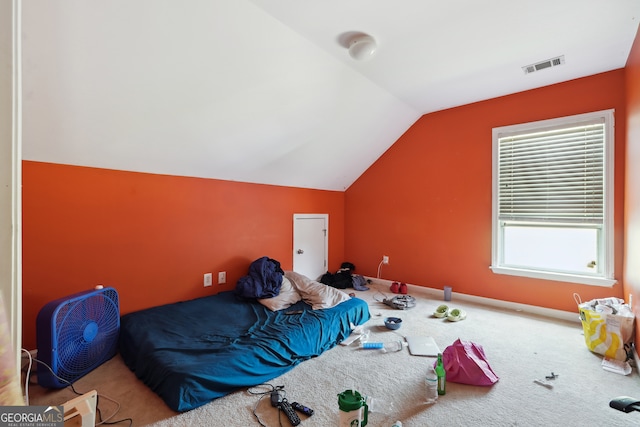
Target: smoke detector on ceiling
point(553, 62)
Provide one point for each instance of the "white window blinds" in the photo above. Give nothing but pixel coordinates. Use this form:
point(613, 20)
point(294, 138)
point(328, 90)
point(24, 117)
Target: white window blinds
point(553, 175)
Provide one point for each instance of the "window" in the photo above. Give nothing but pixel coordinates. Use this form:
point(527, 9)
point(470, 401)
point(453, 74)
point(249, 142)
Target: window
point(553, 199)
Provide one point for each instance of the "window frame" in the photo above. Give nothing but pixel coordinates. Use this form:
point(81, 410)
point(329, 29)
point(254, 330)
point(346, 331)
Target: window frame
point(606, 247)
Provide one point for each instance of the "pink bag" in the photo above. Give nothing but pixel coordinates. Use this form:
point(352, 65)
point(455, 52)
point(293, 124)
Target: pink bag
point(466, 363)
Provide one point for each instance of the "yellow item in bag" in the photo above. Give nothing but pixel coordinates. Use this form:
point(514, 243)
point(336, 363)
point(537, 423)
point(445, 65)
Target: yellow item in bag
point(608, 325)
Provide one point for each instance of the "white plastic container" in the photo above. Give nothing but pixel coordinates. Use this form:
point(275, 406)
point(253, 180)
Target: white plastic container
point(447, 293)
point(354, 410)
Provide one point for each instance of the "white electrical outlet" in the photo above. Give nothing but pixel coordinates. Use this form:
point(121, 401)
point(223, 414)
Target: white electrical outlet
point(208, 279)
point(222, 277)
point(385, 259)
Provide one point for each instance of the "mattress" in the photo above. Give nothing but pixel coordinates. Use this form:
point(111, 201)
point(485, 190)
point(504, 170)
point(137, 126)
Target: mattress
point(193, 352)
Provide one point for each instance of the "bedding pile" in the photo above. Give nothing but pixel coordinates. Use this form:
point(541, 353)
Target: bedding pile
point(263, 280)
point(195, 351)
point(296, 287)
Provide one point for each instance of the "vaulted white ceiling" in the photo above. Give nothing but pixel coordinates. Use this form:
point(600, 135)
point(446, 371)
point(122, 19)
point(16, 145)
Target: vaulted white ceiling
point(264, 90)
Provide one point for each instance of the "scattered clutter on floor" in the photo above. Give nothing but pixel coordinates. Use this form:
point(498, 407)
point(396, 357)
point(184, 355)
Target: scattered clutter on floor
point(543, 383)
point(357, 332)
point(441, 311)
point(278, 398)
point(456, 315)
point(453, 315)
point(401, 302)
point(547, 378)
point(362, 335)
point(345, 278)
point(466, 363)
point(608, 325)
point(421, 345)
point(384, 346)
point(354, 408)
point(625, 404)
point(393, 323)
point(399, 288)
point(431, 382)
point(462, 362)
point(441, 376)
point(553, 376)
point(616, 366)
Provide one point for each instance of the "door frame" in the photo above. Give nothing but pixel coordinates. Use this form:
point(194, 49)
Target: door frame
point(11, 175)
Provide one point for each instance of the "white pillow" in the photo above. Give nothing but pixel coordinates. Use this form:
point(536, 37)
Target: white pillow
point(285, 299)
point(316, 294)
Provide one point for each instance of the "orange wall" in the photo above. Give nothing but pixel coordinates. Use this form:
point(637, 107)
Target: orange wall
point(632, 199)
point(426, 203)
point(152, 237)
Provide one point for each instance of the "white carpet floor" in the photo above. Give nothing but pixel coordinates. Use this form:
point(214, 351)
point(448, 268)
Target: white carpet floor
point(520, 348)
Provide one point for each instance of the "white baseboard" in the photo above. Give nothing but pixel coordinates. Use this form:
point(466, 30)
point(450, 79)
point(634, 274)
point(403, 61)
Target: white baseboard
point(506, 305)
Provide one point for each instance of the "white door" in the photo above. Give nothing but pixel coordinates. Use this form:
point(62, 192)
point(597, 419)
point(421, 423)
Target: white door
point(310, 248)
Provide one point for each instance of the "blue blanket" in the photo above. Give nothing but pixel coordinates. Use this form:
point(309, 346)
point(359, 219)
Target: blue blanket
point(192, 352)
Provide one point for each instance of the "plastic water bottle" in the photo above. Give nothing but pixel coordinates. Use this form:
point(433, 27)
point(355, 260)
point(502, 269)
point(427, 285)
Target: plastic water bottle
point(387, 346)
point(432, 386)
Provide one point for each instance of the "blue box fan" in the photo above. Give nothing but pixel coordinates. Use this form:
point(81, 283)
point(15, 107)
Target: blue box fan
point(76, 334)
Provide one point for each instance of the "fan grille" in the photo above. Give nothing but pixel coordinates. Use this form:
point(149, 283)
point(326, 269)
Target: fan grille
point(85, 333)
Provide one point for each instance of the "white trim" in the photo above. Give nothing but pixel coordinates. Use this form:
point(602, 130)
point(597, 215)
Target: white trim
point(15, 313)
point(560, 277)
point(505, 305)
point(609, 189)
point(607, 248)
point(11, 174)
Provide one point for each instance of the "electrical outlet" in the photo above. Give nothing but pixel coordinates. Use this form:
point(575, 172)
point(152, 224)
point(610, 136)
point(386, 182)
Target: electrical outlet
point(385, 259)
point(208, 279)
point(222, 277)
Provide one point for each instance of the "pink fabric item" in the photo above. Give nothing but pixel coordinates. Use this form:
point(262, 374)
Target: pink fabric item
point(466, 363)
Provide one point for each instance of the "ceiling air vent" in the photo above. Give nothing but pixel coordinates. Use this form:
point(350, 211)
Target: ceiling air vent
point(553, 62)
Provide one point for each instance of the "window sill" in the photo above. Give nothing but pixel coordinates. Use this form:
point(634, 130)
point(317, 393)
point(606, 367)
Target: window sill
point(571, 278)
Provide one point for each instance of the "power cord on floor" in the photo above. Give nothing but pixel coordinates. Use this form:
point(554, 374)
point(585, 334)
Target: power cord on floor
point(376, 286)
point(70, 385)
point(256, 391)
